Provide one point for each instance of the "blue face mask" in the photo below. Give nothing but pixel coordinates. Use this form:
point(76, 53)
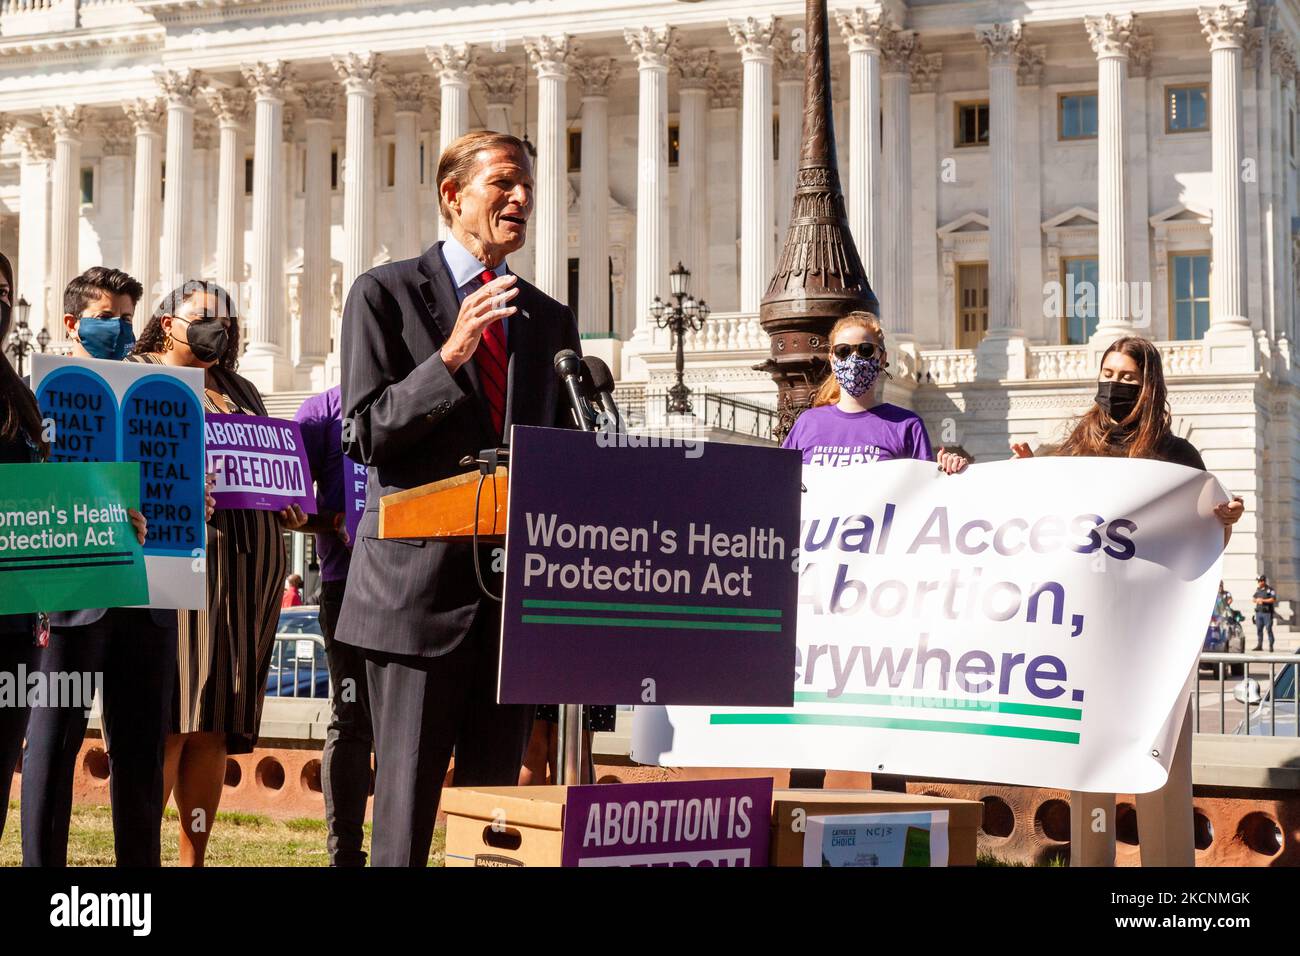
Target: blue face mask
point(106, 338)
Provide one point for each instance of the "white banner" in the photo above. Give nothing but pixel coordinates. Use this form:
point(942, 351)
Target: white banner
point(1027, 622)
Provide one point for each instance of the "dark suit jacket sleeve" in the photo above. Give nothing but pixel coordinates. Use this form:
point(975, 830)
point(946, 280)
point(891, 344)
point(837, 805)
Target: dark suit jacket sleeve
point(391, 402)
point(569, 336)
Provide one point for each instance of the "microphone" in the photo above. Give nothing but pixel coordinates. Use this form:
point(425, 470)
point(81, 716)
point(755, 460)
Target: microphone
point(602, 387)
point(569, 367)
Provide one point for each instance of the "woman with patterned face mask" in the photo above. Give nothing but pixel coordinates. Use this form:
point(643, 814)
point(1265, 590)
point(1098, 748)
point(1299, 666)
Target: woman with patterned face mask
point(848, 424)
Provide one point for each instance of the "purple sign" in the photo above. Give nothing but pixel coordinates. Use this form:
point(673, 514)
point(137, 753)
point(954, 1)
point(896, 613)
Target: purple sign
point(641, 573)
point(260, 463)
point(683, 823)
point(354, 495)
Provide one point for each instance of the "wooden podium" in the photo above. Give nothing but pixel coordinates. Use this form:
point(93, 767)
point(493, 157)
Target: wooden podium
point(444, 510)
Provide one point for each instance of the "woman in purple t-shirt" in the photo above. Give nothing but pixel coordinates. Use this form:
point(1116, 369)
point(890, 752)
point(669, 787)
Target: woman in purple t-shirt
point(846, 425)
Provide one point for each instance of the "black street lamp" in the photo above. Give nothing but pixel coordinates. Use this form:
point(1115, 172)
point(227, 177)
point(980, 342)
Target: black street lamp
point(686, 315)
point(20, 343)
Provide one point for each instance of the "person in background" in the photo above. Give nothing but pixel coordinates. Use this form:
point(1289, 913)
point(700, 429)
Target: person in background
point(132, 647)
point(345, 760)
point(1130, 419)
point(292, 596)
point(1265, 608)
point(21, 443)
point(224, 652)
point(847, 424)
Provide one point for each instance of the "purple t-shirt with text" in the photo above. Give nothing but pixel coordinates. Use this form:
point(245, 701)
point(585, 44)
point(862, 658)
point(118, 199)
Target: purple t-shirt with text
point(829, 436)
point(321, 420)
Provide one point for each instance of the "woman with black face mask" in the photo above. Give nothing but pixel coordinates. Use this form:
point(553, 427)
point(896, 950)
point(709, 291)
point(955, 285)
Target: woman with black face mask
point(21, 443)
point(224, 652)
point(1130, 419)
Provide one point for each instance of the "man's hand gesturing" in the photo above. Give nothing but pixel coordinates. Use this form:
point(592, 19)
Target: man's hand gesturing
point(480, 309)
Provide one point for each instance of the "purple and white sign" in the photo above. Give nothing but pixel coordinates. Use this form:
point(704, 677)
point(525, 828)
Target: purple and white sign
point(648, 573)
point(260, 463)
point(683, 823)
point(354, 495)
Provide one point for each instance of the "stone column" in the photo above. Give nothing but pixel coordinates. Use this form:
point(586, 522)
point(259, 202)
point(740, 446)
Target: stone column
point(1111, 38)
point(146, 118)
point(695, 69)
point(360, 74)
point(452, 63)
point(791, 63)
point(1282, 65)
point(201, 216)
point(597, 74)
point(266, 360)
point(37, 146)
point(320, 104)
point(113, 201)
point(863, 30)
point(653, 48)
point(68, 124)
point(501, 85)
point(930, 322)
point(1002, 354)
point(181, 90)
point(409, 92)
point(896, 232)
point(723, 220)
point(754, 38)
point(1226, 27)
point(230, 105)
point(549, 57)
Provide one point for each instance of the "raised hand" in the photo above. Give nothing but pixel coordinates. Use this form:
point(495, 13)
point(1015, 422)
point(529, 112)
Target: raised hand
point(480, 309)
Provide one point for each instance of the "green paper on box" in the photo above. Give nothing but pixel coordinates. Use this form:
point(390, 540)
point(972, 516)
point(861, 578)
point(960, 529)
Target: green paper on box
point(66, 542)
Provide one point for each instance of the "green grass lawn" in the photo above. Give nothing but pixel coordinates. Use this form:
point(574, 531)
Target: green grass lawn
point(238, 839)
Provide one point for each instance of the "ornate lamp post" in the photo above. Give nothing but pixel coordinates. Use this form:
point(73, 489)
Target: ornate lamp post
point(819, 276)
point(20, 345)
point(686, 315)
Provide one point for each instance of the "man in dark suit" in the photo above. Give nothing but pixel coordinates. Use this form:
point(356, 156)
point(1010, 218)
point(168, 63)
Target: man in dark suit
point(441, 355)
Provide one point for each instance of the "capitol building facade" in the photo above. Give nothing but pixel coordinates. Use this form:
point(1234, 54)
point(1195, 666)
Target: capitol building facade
point(1025, 181)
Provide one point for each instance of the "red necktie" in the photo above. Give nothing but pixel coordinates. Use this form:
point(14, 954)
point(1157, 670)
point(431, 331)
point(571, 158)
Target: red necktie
point(490, 356)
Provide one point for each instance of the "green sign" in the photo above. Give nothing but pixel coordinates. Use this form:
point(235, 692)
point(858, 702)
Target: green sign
point(66, 542)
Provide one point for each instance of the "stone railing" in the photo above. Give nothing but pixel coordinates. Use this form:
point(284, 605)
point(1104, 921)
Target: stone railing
point(724, 332)
point(1051, 363)
point(1059, 362)
point(946, 366)
point(1181, 358)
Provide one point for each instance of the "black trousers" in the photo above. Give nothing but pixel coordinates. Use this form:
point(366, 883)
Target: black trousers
point(137, 658)
point(345, 761)
point(422, 709)
point(17, 659)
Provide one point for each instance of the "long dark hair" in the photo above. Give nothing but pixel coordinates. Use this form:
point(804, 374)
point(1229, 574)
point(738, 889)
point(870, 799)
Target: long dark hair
point(18, 411)
point(154, 339)
point(1146, 428)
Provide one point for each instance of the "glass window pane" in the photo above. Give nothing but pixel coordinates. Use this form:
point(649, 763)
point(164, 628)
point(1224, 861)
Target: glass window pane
point(1089, 115)
point(1183, 320)
point(1197, 108)
point(1202, 318)
point(1201, 276)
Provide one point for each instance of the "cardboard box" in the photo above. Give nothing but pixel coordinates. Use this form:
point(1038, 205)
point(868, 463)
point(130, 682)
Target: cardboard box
point(694, 823)
point(789, 806)
point(532, 834)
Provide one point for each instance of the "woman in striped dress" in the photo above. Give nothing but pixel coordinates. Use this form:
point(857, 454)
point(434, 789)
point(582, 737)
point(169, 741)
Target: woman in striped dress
point(224, 653)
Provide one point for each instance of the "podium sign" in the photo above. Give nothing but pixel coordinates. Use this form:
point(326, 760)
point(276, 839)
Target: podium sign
point(640, 574)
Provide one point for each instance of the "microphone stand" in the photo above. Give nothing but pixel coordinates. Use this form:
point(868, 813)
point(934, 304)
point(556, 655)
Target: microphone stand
point(569, 724)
